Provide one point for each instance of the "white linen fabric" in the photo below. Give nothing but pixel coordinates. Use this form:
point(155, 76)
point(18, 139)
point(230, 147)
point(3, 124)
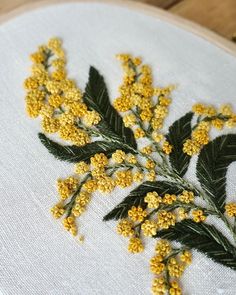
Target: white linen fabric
point(36, 255)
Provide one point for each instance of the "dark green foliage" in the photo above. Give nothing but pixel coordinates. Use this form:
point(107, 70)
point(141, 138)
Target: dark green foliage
point(212, 165)
point(203, 237)
point(179, 131)
point(74, 153)
point(96, 97)
point(136, 197)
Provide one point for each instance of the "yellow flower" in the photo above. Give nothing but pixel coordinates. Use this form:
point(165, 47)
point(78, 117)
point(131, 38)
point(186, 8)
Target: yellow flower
point(118, 156)
point(186, 257)
point(231, 122)
point(137, 213)
point(33, 108)
point(50, 125)
point(98, 172)
point(153, 200)
point(78, 109)
point(69, 225)
point(175, 289)
point(131, 159)
point(54, 43)
point(159, 286)
point(129, 120)
point(139, 133)
point(157, 136)
point(105, 184)
point(81, 168)
point(91, 118)
point(217, 123)
point(156, 123)
point(230, 209)
point(210, 111)
point(200, 136)
point(31, 83)
point(198, 216)
point(124, 178)
point(78, 210)
point(73, 93)
point(53, 87)
point(58, 210)
point(191, 147)
point(187, 197)
point(99, 160)
point(66, 119)
point(47, 111)
point(163, 248)
point(90, 185)
point(122, 104)
point(175, 269)
point(150, 164)
point(167, 147)
point(138, 176)
point(149, 228)
point(226, 110)
point(160, 111)
point(66, 187)
point(199, 108)
point(156, 264)
point(151, 176)
point(59, 75)
point(37, 57)
point(135, 246)
point(77, 136)
point(83, 198)
point(164, 101)
point(166, 219)
point(55, 100)
point(146, 115)
point(125, 228)
point(169, 199)
point(147, 150)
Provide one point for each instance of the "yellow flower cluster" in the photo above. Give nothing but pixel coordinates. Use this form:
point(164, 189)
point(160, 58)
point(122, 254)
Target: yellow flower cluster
point(210, 117)
point(137, 213)
point(56, 98)
point(186, 197)
point(66, 187)
point(118, 156)
point(165, 219)
point(153, 200)
point(69, 225)
point(198, 216)
point(230, 209)
point(165, 266)
point(135, 245)
point(58, 210)
point(125, 228)
point(124, 178)
point(80, 203)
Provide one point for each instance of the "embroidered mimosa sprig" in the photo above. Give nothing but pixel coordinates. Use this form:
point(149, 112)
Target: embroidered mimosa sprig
point(109, 151)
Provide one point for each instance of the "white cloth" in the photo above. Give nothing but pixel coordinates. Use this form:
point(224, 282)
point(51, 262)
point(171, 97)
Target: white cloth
point(37, 256)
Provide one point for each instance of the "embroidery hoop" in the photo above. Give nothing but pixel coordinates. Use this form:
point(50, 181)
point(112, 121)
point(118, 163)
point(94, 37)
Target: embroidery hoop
point(149, 10)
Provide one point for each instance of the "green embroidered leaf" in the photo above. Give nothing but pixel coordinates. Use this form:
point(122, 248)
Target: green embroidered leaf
point(73, 153)
point(212, 165)
point(179, 131)
point(96, 96)
point(203, 237)
point(136, 197)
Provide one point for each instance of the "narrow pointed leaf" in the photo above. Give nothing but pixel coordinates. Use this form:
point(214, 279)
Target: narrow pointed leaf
point(136, 197)
point(179, 131)
point(204, 238)
point(75, 153)
point(212, 165)
point(96, 97)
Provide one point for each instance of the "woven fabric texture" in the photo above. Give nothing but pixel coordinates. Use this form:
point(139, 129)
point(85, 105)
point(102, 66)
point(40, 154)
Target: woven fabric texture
point(36, 255)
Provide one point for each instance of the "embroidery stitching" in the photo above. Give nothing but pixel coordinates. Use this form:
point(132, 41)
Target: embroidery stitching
point(110, 150)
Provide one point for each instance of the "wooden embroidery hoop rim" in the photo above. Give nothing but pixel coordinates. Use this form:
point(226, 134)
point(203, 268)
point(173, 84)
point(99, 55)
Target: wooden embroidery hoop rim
point(178, 21)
